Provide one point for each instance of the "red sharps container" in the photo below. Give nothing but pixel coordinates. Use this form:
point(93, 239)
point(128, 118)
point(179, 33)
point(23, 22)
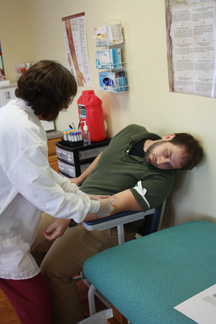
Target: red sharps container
point(91, 112)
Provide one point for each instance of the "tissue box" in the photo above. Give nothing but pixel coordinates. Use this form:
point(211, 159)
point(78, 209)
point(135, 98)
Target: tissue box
point(108, 35)
point(108, 58)
point(112, 81)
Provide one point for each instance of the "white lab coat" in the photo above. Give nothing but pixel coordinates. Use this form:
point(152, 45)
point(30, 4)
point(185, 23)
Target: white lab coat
point(28, 186)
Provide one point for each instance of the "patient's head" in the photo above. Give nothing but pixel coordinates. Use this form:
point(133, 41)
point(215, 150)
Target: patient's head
point(175, 151)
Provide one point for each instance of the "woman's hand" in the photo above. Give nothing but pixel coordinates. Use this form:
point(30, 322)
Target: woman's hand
point(56, 229)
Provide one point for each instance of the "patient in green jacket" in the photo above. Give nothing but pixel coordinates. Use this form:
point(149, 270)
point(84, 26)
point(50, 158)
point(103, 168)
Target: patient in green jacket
point(137, 171)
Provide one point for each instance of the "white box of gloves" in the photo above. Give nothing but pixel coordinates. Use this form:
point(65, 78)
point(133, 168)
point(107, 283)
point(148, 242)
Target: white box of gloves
point(108, 58)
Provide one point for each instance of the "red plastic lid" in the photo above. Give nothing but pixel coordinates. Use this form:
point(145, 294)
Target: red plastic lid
point(86, 93)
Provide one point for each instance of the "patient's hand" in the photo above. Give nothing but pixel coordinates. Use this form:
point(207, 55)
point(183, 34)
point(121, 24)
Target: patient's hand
point(77, 181)
point(56, 229)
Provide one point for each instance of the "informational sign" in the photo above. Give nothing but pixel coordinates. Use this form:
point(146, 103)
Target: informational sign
point(76, 48)
point(2, 72)
point(191, 46)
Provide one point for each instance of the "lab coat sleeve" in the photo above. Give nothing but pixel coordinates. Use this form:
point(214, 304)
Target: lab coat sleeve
point(33, 178)
point(68, 186)
point(64, 182)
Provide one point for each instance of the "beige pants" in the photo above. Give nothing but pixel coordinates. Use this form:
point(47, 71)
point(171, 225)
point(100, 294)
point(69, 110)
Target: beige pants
point(64, 258)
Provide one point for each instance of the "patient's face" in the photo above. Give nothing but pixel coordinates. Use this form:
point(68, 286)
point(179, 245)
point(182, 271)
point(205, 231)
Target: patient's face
point(165, 155)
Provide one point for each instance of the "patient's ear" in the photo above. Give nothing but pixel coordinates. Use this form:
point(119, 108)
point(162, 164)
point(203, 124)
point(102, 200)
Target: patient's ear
point(168, 137)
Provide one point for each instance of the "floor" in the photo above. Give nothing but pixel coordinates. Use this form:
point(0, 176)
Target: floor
point(8, 315)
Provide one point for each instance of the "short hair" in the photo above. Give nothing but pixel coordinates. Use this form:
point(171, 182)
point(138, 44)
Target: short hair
point(46, 87)
point(192, 147)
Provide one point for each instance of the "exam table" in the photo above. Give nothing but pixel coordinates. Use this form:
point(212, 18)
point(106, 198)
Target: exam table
point(147, 277)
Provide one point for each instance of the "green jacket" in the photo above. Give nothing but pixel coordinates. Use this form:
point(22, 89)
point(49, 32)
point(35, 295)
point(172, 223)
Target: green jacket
point(117, 171)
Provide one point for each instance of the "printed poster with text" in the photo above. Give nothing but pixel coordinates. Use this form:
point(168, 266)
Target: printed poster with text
point(2, 72)
point(76, 48)
point(191, 47)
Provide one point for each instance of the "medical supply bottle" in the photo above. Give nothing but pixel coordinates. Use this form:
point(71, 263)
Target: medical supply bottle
point(90, 111)
point(86, 135)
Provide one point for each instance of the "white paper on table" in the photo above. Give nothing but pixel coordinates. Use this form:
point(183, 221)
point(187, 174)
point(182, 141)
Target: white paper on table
point(201, 308)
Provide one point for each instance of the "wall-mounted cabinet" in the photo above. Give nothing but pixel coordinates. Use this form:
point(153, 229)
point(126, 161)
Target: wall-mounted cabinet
point(109, 44)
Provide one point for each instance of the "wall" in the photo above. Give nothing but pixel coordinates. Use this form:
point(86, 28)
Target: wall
point(37, 28)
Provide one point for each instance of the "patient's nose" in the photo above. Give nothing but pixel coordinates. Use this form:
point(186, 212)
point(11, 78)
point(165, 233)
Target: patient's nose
point(162, 160)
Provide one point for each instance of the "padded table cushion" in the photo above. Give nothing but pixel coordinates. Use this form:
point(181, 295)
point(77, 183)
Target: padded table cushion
point(145, 278)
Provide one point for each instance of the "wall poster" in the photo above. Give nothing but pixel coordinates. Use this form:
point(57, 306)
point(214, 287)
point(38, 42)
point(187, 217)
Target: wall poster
point(2, 72)
point(76, 48)
point(191, 46)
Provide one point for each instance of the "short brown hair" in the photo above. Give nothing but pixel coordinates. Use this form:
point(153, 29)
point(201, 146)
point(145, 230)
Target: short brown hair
point(46, 87)
point(192, 147)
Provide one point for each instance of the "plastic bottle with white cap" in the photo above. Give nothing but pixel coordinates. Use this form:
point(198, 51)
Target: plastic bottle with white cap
point(86, 135)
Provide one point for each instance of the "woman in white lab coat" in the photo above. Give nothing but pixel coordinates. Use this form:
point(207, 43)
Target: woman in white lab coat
point(28, 185)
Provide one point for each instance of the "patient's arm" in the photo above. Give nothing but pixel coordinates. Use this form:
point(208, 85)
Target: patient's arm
point(79, 180)
point(122, 201)
point(125, 201)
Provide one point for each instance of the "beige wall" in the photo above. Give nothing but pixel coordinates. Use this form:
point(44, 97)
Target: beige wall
point(35, 32)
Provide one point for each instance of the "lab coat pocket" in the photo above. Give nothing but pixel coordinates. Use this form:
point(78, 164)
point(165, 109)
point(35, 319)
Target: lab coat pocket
point(15, 255)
